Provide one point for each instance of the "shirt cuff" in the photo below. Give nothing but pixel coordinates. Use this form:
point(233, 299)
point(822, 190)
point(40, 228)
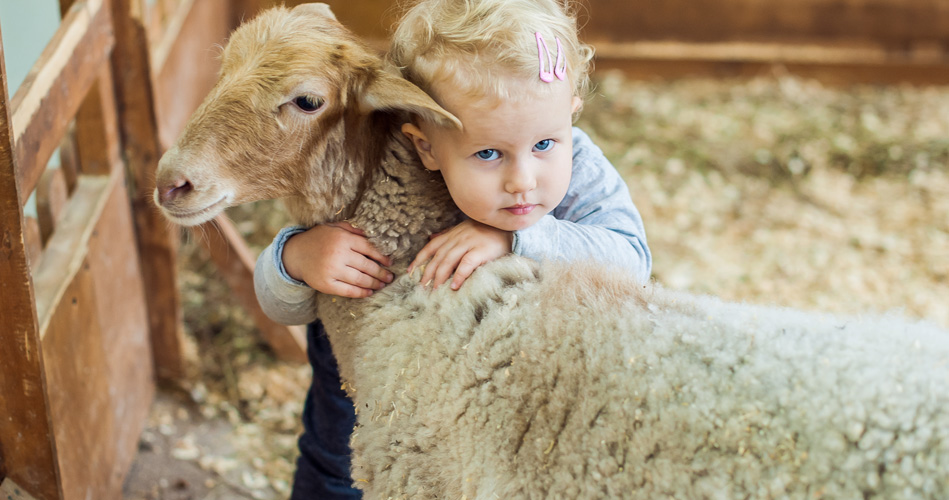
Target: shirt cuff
point(276, 249)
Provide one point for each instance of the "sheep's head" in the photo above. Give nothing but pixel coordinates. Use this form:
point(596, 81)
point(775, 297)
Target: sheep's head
point(292, 85)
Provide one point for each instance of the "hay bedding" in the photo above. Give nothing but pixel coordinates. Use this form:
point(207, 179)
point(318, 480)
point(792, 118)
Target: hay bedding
point(774, 191)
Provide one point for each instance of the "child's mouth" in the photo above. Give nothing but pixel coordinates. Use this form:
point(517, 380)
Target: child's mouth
point(520, 209)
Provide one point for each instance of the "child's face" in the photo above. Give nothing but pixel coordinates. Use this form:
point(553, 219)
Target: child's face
point(511, 163)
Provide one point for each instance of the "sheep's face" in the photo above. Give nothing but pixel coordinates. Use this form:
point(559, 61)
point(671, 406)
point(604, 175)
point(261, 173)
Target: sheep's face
point(293, 84)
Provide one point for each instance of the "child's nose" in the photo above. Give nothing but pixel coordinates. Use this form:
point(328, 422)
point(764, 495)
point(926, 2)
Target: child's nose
point(520, 179)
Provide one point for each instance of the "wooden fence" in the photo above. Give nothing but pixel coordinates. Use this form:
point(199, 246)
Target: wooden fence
point(90, 312)
point(835, 41)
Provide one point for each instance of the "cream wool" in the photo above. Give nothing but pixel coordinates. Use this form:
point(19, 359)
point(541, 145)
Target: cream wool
point(539, 380)
point(536, 381)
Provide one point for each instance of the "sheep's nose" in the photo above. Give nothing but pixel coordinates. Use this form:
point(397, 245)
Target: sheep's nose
point(174, 189)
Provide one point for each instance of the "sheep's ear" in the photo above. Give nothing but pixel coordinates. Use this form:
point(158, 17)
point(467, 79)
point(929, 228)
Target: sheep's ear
point(391, 92)
point(320, 9)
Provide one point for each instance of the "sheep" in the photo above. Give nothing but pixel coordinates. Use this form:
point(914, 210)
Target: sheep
point(546, 379)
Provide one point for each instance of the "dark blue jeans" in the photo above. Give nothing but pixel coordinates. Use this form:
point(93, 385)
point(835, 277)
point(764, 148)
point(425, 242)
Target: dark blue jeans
point(323, 469)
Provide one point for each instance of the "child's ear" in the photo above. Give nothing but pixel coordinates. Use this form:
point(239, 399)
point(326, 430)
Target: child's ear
point(576, 104)
point(422, 146)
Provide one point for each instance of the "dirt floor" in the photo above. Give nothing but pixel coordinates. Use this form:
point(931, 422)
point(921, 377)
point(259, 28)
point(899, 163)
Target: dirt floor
point(775, 190)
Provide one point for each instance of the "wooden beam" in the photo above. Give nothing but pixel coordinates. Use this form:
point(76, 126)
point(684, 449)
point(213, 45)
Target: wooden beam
point(236, 263)
point(157, 239)
point(56, 86)
point(79, 391)
point(66, 249)
point(120, 297)
point(51, 197)
point(830, 63)
point(186, 61)
point(97, 133)
point(893, 23)
point(27, 447)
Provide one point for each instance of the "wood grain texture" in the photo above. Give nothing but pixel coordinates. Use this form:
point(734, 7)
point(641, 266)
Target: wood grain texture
point(185, 63)
point(27, 450)
point(157, 240)
point(78, 392)
point(96, 130)
point(123, 314)
point(51, 196)
point(55, 88)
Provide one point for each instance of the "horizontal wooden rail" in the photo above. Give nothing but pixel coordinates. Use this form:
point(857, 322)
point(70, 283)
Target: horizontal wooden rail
point(814, 53)
point(56, 87)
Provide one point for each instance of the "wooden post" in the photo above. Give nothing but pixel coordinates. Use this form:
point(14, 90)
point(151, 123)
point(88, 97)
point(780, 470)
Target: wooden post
point(157, 240)
point(27, 449)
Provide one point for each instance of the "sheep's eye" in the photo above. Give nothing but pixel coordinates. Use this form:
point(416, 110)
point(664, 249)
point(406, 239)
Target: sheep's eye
point(308, 103)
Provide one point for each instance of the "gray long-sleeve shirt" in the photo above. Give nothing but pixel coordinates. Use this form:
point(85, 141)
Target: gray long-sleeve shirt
point(596, 219)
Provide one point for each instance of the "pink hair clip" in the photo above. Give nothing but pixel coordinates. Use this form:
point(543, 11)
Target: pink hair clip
point(559, 68)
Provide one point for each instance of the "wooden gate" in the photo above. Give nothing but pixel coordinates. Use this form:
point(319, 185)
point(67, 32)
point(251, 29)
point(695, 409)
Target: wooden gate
point(90, 311)
point(75, 365)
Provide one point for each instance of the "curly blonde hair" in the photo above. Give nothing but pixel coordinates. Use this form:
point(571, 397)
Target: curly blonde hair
point(488, 47)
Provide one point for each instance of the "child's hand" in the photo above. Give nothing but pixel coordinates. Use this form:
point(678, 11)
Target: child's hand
point(336, 259)
point(461, 250)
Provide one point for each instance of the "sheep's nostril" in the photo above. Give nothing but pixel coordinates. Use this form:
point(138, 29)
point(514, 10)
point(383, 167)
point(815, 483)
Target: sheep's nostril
point(180, 188)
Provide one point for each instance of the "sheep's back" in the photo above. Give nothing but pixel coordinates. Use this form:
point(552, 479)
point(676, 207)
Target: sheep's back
point(576, 381)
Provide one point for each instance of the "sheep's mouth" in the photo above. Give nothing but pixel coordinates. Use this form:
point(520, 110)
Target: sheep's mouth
point(199, 216)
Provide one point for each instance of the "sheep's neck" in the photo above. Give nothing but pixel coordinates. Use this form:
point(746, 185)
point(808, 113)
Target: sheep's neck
point(402, 203)
point(366, 171)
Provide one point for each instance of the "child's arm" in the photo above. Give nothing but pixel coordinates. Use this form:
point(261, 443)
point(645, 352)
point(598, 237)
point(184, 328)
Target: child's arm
point(335, 259)
point(596, 219)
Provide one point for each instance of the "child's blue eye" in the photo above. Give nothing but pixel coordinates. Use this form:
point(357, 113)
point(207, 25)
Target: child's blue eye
point(488, 154)
point(544, 145)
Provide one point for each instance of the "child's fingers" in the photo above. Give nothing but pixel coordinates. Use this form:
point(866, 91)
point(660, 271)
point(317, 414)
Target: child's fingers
point(342, 289)
point(434, 265)
point(372, 269)
point(356, 277)
point(362, 245)
point(447, 265)
point(426, 253)
point(467, 266)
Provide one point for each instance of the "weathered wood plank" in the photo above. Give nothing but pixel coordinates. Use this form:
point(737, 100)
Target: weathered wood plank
point(830, 63)
point(51, 197)
point(56, 86)
point(34, 241)
point(827, 73)
point(97, 133)
point(27, 450)
point(69, 158)
point(236, 263)
point(66, 249)
point(888, 22)
point(157, 240)
point(78, 392)
point(120, 297)
point(186, 62)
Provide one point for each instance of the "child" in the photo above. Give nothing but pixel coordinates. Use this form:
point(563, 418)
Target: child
point(513, 72)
